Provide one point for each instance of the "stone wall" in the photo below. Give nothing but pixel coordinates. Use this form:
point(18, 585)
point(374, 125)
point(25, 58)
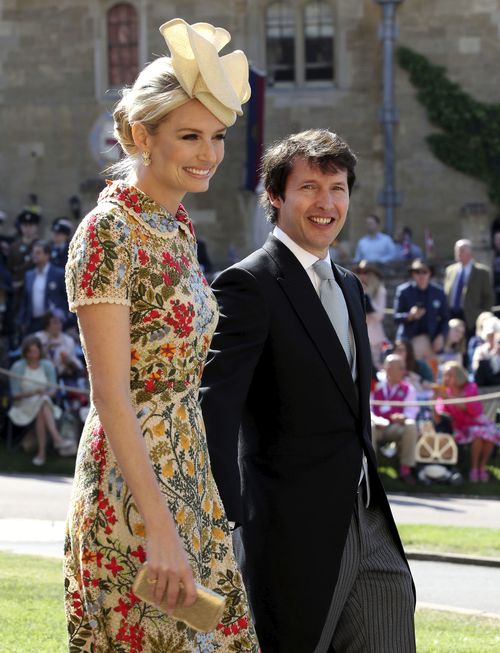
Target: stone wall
point(51, 75)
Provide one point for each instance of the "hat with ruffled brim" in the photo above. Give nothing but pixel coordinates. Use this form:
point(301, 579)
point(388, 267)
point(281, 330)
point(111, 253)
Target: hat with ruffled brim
point(220, 83)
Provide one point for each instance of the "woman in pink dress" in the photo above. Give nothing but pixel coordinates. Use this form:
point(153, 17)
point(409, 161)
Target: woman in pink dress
point(470, 424)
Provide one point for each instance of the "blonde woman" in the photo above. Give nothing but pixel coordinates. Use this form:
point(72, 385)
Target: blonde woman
point(470, 424)
point(143, 486)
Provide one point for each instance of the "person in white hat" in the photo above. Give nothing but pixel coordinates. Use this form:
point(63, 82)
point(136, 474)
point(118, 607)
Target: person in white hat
point(143, 485)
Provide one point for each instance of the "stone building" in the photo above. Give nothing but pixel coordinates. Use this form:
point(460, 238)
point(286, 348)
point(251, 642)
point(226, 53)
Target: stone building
point(60, 61)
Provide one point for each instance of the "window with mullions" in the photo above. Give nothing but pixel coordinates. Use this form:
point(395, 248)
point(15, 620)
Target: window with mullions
point(280, 43)
point(318, 41)
point(123, 59)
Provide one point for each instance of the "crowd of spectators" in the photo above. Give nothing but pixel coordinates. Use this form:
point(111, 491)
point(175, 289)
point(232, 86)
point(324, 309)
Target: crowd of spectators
point(446, 345)
point(439, 331)
point(47, 380)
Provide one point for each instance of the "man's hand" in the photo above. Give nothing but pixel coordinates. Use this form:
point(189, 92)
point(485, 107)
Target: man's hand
point(398, 418)
point(416, 312)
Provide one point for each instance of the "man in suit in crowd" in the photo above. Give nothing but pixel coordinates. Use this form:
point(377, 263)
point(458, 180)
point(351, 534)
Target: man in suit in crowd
point(44, 289)
point(468, 286)
point(285, 399)
point(421, 311)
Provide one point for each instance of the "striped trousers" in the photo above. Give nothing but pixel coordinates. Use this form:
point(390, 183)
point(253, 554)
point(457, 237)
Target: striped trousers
point(372, 609)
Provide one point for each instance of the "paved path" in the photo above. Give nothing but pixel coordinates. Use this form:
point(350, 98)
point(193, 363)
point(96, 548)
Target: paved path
point(33, 509)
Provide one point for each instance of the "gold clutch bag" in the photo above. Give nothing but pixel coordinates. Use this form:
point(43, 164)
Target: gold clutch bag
point(205, 613)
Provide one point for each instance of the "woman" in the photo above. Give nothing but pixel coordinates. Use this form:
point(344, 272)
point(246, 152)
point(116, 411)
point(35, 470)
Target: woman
point(455, 342)
point(376, 293)
point(470, 425)
point(143, 486)
point(60, 346)
point(32, 398)
point(418, 372)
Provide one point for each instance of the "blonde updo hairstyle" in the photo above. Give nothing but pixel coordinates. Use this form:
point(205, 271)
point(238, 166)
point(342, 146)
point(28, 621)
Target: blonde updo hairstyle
point(147, 102)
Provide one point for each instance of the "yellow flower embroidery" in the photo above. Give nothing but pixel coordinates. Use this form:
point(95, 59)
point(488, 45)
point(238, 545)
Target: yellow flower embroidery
point(184, 441)
point(217, 512)
point(168, 469)
point(139, 529)
point(218, 533)
point(181, 412)
point(206, 504)
point(190, 467)
point(196, 543)
point(159, 429)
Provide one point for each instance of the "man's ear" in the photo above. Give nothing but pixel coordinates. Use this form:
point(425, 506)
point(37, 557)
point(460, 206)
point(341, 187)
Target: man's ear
point(275, 201)
point(141, 137)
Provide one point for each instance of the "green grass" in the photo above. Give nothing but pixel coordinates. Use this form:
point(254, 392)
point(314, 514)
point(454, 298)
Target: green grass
point(32, 615)
point(389, 476)
point(445, 632)
point(18, 461)
point(451, 539)
point(31, 605)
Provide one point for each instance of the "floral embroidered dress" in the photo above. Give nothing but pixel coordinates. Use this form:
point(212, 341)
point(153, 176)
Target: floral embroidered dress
point(130, 251)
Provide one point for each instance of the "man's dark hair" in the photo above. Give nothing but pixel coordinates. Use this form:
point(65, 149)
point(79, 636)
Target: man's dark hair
point(375, 217)
point(44, 244)
point(318, 147)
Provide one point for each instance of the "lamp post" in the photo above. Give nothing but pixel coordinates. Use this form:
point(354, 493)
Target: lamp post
point(388, 115)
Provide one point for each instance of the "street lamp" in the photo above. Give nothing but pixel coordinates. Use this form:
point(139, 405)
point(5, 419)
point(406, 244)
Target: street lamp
point(388, 115)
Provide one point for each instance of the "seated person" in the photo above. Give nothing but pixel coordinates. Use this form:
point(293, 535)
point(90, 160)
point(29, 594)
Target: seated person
point(32, 392)
point(421, 311)
point(487, 370)
point(418, 371)
point(486, 350)
point(60, 346)
point(470, 424)
point(396, 423)
point(455, 342)
point(476, 339)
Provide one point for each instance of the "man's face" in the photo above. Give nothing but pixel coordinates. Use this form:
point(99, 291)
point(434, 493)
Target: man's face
point(395, 371)
point(38, 256)
point(463, 254)
point(314, 207)
point(422, 277)
point(371, 225)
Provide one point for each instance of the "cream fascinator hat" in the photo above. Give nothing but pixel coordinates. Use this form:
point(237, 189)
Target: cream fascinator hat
point(219, 83)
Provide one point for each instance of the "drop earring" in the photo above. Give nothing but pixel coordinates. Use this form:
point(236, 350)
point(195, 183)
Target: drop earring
point(146, 158)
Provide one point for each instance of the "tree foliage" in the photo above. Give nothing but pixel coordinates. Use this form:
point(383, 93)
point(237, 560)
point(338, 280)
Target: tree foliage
point(470, 137)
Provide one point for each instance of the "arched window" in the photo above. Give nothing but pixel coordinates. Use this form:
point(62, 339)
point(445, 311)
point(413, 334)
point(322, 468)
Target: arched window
point(318, 41)
point(123, 59)
point(280, 43)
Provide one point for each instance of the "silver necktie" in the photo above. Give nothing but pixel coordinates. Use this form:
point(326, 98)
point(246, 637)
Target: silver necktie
point(333, 301)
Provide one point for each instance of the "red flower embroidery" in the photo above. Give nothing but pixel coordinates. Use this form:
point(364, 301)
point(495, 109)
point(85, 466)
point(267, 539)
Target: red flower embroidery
point(139, 553)
point(114, 567)
point(143, 257)
point(182, 318)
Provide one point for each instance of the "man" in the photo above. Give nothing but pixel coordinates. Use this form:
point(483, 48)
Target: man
point(61, 235)
point(296, 389)
point(375, 245)
point(44, 289)
point(396, 423)
point(468, 286)
point(421, 311)
point(405, 248)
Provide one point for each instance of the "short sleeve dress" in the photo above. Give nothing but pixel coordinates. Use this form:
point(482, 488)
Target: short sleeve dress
point(131, 251)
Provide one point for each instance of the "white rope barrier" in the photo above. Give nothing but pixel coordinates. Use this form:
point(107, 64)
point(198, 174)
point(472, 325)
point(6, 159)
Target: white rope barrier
point(45, 384)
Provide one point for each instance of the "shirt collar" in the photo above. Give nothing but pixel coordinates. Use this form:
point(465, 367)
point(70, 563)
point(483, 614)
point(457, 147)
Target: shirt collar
point(305, 258)
point(145, 210)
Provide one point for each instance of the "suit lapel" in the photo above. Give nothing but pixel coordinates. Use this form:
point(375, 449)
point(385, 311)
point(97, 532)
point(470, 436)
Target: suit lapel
point(304, 300)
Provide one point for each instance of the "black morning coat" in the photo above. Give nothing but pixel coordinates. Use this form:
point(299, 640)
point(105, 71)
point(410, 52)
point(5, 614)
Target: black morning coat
point(277, 376)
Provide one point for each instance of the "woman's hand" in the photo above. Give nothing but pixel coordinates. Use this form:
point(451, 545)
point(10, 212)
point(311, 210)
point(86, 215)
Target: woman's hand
point(168, 566)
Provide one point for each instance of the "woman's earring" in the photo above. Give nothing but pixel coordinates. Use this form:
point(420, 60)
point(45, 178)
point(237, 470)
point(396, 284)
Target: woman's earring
point(146, 158)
